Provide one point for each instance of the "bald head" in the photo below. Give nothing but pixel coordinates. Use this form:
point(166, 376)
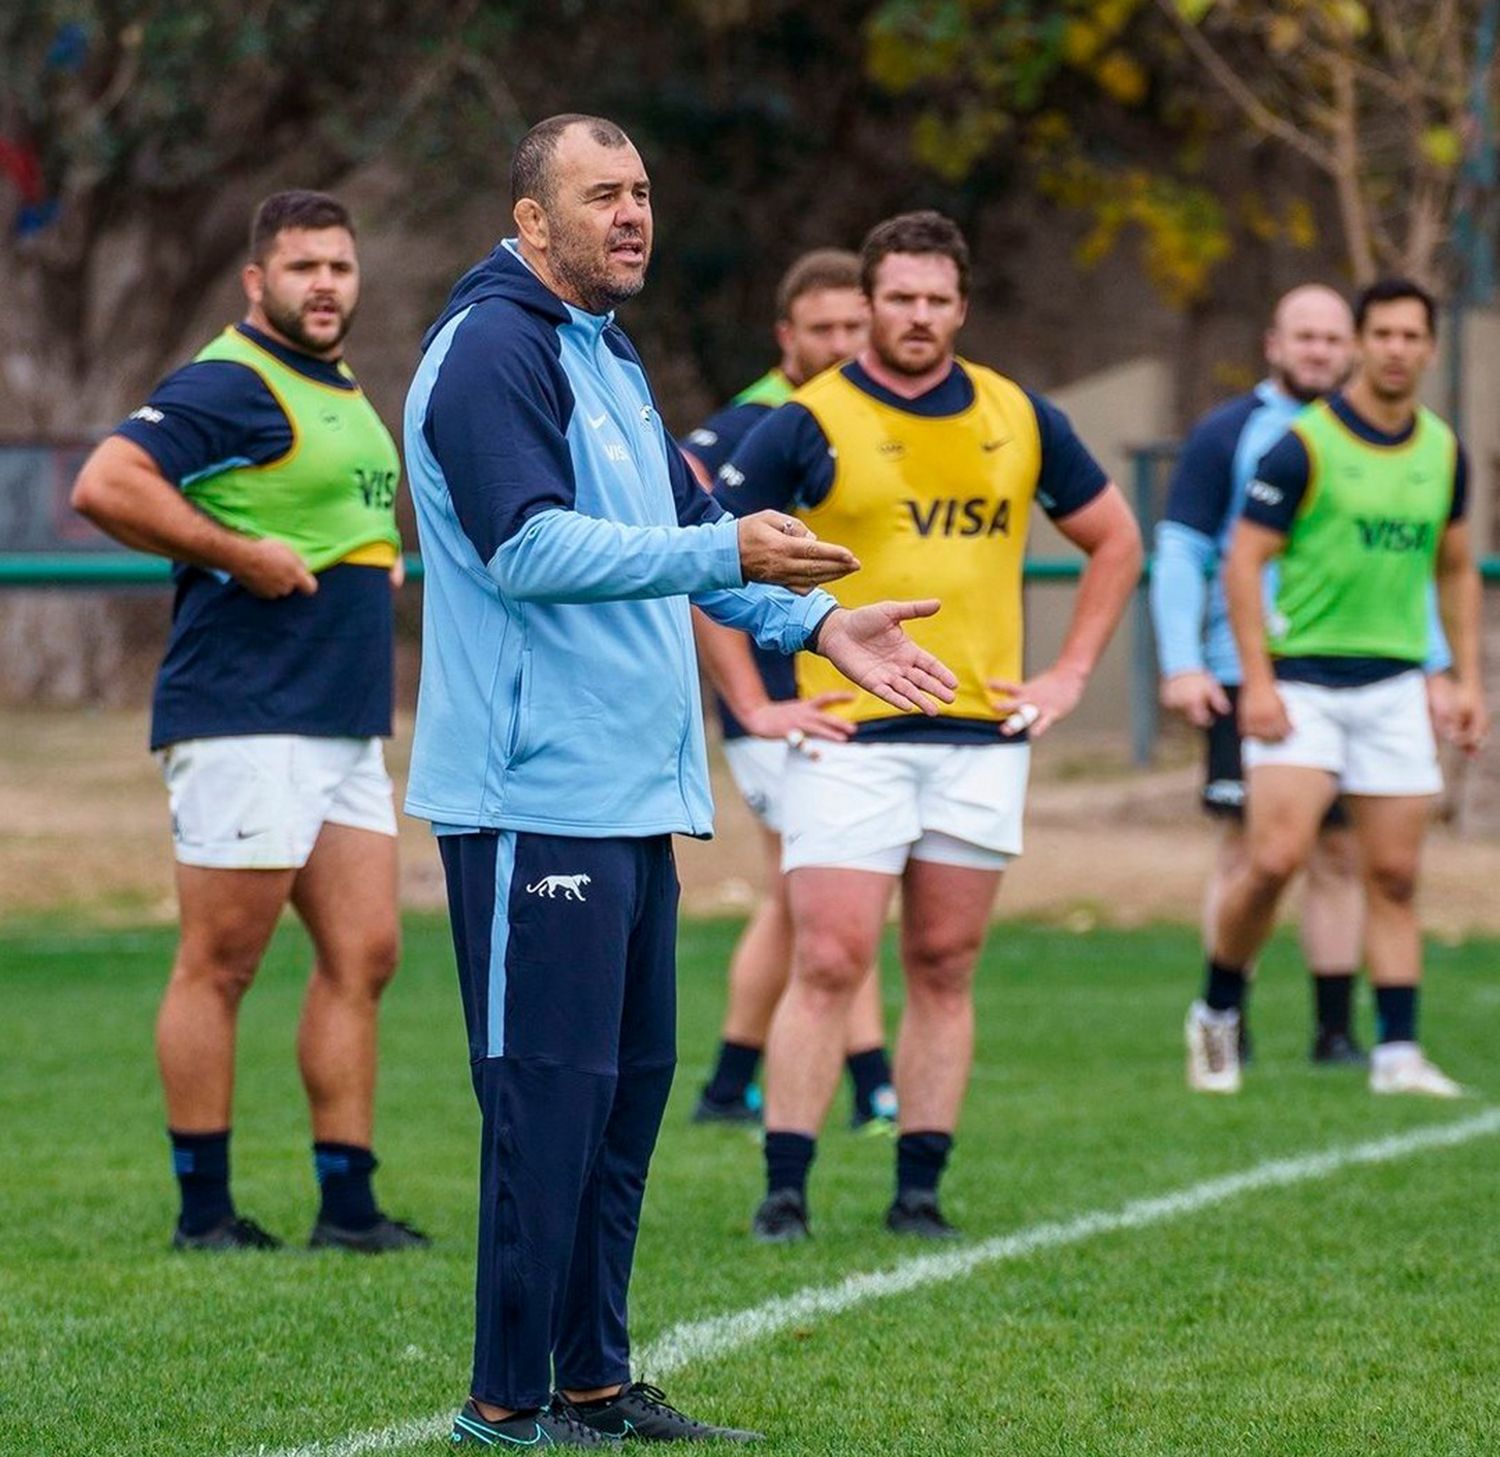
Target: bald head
point(1310, 344)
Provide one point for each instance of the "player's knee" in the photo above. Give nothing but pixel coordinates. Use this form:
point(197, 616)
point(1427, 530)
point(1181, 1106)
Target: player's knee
point(830, 965)
point(1270, 865)
point(223, 968)
point(1394, 881)
point(942, 968)
point(362, 969)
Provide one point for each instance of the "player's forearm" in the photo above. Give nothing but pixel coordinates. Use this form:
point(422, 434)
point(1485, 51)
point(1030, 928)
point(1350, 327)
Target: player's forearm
point(1243, 573)
point(144, 511)
point(1461, 600)
point(1111, 574)
point(725, 655)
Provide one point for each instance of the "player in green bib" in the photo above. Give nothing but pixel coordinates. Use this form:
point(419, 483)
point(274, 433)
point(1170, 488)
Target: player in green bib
point(267, 477)
point(1361, 505)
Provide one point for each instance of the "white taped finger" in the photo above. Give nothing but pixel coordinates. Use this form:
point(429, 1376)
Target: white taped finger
point(1023, 717)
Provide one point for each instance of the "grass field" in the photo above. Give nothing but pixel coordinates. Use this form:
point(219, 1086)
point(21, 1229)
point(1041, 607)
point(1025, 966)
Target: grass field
point(1353, 1310)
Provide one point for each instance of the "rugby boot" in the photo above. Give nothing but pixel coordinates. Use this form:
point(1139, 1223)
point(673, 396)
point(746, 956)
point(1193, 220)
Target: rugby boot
point(1337, 1049)
point(549, 1427)
point(1213, 1054)
point(642, 1413)
point(742, 1110)
point(916, 1212)
point(781, 1218)
point(233, 1232)
point(381, 1238)
point(1399, 1067)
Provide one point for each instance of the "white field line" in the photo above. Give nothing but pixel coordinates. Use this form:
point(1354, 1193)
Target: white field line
point(694, 1342)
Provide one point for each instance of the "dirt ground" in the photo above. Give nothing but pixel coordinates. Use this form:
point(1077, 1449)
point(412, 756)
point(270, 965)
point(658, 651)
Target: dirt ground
point(83, 829)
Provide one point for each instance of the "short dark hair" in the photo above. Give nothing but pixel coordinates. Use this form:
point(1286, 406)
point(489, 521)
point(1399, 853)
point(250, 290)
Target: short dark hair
point(914, 232)
point(531, 167)
point(294, 209)
point(822, 268)
point(1393, 290)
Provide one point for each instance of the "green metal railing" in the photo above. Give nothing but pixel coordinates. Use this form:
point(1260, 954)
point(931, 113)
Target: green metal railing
point(127, 569)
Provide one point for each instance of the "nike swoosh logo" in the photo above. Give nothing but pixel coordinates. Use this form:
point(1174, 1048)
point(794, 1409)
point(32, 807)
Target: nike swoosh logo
point(989, 445)
point(247, 834)
point(596, 422)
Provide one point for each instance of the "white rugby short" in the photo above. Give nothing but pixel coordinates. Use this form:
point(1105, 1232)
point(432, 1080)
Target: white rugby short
point(1376, 739)
point(872, 806)
point(758, 767)
point(257, 802)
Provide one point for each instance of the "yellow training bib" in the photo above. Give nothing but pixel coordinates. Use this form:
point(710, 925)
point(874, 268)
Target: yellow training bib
point(932, 507)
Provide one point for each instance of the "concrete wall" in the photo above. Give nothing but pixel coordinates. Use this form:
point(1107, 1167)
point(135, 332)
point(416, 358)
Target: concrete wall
point(1114, 411)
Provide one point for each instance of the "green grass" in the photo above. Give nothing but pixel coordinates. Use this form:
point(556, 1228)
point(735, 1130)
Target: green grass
point(1351, 1315)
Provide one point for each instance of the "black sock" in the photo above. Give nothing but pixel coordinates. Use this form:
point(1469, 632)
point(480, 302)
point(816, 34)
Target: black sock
point(788, 1158)
point(1224, 987)
point(201, 1163)
point(344, 1171)
point(600, 1402)
point(734, 1072)
point(871, 1071)
point(920, 1160)
point(1332, 997)
point(1396, 1013)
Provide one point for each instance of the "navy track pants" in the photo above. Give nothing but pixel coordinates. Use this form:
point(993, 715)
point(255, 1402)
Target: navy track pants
point(567, 964)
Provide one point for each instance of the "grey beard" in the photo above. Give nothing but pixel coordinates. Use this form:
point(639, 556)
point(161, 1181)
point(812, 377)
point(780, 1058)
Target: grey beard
point(594, 290)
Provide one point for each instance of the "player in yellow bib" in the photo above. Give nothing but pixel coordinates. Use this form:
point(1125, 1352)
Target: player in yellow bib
point(927, 466)
point(1363, 505)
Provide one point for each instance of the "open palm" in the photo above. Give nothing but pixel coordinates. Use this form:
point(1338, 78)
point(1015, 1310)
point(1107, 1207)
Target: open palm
point(869, 647)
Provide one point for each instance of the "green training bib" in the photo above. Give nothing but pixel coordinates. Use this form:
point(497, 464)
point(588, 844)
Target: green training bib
point(773, 388)
point(1354, 578)
point(332, 496)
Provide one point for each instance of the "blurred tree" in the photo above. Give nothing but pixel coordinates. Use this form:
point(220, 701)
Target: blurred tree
point(140, 134)
point(1374, 95)
point(1073, 89)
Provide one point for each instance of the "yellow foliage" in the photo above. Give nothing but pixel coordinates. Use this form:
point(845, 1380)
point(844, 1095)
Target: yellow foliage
point(1443, 147)
point(1122, 78)
point(1301, 226)
point(952, 147)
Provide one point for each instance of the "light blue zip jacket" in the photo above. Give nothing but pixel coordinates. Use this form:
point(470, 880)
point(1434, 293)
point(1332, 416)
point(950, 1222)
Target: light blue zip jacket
point(563, 538)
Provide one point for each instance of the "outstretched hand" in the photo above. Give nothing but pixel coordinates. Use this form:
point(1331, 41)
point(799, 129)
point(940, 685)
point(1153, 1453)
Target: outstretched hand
point(869, 647)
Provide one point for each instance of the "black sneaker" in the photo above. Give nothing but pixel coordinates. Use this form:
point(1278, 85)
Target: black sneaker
point(737, 1110)
point(916, 1212)
point(550, 1427)
point(642, 1413)
point(231, 1233)
point(381, 1238)
point(1338, 1049)
point(781, 1218)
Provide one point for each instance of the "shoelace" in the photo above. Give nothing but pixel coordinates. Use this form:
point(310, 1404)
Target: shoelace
point(564, 1414)
point(655, 1396)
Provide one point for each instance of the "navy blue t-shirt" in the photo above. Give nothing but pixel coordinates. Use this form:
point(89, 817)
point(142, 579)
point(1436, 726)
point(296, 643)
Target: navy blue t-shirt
point(237, 663)
point(1283, 475)
point(711, 444)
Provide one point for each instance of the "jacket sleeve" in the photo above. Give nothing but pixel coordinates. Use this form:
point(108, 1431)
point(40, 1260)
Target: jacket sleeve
point(774, 617)
point(496, 423)
point(1179, 595)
